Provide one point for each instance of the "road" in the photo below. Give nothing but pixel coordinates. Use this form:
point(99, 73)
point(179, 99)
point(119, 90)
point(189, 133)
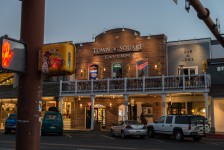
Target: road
point(103, 141)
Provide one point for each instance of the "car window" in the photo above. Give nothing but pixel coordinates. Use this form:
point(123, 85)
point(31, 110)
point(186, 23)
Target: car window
point(132, 122)
point(169, 119)
point(182, 120)
point(12, 116)
point(198, 119)
point(121, 123)
point(52, 117)
point(161, 119)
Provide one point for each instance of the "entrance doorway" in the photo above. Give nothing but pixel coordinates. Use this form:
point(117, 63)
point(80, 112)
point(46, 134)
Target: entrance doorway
point(99, 115)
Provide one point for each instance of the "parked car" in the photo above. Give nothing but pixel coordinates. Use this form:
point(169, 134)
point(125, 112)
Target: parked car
point(10, 123)
point(52, 122)
point(129, 128)
point(179, 126)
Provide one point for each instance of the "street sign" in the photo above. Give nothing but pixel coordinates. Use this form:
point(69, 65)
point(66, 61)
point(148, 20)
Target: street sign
point(12, 55)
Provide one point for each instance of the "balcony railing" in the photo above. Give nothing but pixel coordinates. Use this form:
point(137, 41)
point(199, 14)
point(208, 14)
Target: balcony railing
point(143, 85)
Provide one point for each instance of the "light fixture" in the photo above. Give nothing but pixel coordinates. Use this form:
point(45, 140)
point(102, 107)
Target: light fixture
point(194, 39)
point(104, 69)
point(187, 5)
point(110, 104)
point(148, 37)
point(123, 29)
point(179, 41)
point(79, 98)
point(104, 30)
point(80, 105)
point(93, 37)
point(156, 67)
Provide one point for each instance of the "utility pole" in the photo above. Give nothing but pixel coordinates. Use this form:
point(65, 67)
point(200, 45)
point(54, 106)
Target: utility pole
point(204, 14)
point(30, 86)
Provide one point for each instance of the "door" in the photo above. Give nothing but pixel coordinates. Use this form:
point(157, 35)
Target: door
point(88, 117)
point(160, 124)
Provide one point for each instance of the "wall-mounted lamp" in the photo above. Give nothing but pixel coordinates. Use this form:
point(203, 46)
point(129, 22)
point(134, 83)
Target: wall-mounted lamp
point(132, 102)
point(81, 72)
point(187, 5)
point(110, 104)
point(93, 37)
point(79, 98)
point(80, 105)
point(204, 66)
point(148, 37)
point(158, 68)
point(123, 29)
point(104, 30)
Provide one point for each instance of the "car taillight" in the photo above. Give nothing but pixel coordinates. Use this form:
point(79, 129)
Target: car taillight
point(144, 127)
point(128, 127)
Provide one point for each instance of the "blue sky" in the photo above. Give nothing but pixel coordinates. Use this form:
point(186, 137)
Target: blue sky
point(79, 20)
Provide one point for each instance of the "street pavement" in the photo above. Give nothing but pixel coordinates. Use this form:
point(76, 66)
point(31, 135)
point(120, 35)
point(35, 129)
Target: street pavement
point(101, 140)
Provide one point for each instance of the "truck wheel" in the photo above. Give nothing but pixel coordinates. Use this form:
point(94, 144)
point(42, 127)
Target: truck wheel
point(151, 132)
point(179, 135)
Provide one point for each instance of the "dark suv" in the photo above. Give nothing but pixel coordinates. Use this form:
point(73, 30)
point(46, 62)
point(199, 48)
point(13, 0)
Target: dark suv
point(10, 123)
point(52, 122)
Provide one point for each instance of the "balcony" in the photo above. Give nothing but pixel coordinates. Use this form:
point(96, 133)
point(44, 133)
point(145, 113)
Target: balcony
point(144, 85)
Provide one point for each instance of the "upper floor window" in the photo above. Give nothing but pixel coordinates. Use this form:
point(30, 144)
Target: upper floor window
point(117, 70)
point(142, 68)
point(93, 71)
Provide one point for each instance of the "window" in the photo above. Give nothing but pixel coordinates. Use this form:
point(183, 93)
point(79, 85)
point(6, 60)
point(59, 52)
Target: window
point(161, 119)
point(142, 68)
point(182, 120)
point(93, 71)
point(188, 70)
point(169, 119)
point(117, 70)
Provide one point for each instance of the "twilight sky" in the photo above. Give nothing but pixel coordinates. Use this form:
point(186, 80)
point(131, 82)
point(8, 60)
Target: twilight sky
point(79, 20)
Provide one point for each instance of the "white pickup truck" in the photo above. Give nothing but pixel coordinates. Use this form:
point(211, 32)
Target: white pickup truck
point(180, 126)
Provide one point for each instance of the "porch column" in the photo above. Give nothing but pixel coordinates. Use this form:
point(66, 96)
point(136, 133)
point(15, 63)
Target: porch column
point(163, 104)
point(92, 97)
point(125, 107)
point(206, 104)
point(61, 104)
point(212, 115)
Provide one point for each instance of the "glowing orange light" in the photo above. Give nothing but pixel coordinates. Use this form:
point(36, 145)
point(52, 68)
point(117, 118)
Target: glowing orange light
point(6, 54)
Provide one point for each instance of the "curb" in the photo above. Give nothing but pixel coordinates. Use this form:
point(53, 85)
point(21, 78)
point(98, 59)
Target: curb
point(215, 136)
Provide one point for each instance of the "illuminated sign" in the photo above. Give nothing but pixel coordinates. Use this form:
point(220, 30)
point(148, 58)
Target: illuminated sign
point(121, 49)
point(142, 68)
point(57, 59)
point(13, 55)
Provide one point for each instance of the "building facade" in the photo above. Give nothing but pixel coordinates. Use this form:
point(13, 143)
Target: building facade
point(121, 75)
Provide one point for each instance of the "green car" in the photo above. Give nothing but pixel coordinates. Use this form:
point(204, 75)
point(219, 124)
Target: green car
point(52, 123)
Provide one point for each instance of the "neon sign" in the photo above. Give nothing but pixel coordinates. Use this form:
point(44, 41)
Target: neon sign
point(7, 54)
